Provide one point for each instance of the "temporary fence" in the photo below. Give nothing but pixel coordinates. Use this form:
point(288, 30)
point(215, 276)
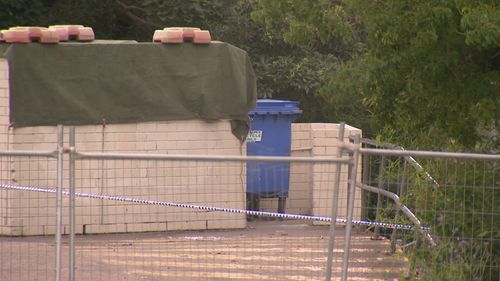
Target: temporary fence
point(145, 192)
point(456, 195)
point(119, 216)
point(28, 213)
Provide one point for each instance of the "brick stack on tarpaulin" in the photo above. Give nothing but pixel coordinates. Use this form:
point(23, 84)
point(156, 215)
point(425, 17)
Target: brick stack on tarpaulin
point(177, 35)
point(47, 35)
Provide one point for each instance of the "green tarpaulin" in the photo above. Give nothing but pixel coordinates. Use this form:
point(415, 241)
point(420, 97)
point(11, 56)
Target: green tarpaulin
point(123, 82)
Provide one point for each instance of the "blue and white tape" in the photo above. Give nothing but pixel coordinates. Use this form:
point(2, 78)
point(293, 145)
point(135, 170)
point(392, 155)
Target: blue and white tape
point(215, 209)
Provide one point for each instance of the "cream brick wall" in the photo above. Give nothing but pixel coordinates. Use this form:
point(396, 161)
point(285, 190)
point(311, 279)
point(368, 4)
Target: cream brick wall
point(202, 183)
point(311, 185)
point(325, 143)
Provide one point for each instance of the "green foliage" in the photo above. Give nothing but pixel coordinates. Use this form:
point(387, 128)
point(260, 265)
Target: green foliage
point(463, 214)
point(425, 81)
point(427, 72)
point(19, 12)
point(284, 71)
point(99, 14)
point(347, 100)
point(481, 24)
point(311, 24)
point(198, 13)
point(451, 260)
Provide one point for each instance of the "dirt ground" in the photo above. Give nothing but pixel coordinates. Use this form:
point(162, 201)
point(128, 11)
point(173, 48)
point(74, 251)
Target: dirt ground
point(265, 250)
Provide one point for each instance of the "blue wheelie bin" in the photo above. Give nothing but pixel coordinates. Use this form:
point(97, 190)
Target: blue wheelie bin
point(270, 135)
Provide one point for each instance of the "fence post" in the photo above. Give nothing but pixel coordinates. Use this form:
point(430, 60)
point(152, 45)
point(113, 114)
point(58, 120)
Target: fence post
point(365, 178)
point(402, 192)
point(72, 204)
point(335, 199)
point(376, 233)
point(350, 208)
point(402, 188)
point(60, 182)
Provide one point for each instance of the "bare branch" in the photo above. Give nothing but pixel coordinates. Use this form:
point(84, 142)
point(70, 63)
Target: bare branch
point(127, 11)
point(132, 7)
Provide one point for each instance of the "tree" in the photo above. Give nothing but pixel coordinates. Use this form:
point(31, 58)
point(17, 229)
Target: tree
point(284, 70)
point(22, 12)
point(427, 73)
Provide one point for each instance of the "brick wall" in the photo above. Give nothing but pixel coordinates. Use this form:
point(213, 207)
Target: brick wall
point(203, 183)
point(311, 185)
point(325, 143)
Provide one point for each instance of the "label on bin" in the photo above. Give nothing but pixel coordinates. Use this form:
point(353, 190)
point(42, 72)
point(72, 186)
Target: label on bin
point(254, 136)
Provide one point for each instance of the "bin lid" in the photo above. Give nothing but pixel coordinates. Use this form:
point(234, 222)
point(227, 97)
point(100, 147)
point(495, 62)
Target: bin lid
point(275, 107)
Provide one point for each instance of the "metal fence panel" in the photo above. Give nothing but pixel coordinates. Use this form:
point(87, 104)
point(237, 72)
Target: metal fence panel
point(455, 196)
point(28, 219)
point(187, 220)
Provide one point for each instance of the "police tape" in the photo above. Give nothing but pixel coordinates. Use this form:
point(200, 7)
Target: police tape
point(216, 209)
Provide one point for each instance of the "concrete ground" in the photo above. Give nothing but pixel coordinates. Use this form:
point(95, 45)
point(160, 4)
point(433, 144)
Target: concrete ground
point(265, 250)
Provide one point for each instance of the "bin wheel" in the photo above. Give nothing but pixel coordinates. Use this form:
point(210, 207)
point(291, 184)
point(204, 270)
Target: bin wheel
point(253, 204)
point(281, 204)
